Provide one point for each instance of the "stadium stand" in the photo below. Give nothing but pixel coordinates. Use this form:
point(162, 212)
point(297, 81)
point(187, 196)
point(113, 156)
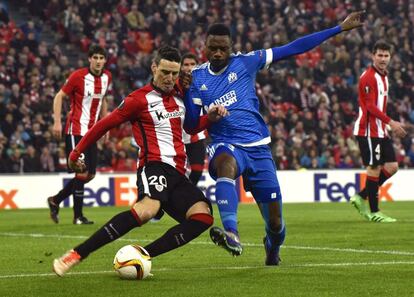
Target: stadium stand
point(309, 101)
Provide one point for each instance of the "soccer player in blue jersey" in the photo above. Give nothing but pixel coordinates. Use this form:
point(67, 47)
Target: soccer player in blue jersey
point(240, 141)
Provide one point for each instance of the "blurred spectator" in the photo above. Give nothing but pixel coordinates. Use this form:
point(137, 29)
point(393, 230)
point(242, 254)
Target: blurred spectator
point(309, 102)
point(31, 160)
point(46, 159)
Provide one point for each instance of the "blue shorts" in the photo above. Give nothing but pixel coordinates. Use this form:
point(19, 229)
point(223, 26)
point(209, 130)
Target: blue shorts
point(255, 164)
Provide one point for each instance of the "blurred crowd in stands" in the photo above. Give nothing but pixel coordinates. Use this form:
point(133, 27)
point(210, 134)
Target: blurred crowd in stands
point(309, 101)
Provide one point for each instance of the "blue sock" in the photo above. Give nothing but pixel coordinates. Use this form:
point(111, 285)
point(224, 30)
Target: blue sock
point(227, 202)
point(274, 239)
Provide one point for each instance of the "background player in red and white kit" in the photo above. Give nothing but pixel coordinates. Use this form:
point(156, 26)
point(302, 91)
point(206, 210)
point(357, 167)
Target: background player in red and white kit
point(156, 112)
point(194, 144)
point(86, 89)
point(370, 129)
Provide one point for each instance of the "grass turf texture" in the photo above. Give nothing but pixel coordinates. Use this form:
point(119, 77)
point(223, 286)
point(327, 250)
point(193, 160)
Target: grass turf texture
point(329, 251)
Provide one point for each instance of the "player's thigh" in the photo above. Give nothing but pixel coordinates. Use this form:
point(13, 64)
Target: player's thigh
point(222, 155)
point(185, 200)
point(261, 179)
point(371, 150)
point(146, 208)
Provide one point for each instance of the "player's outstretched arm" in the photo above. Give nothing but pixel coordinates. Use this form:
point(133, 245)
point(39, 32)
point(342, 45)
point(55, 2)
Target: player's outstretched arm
point(93, 135)
point(308, 42)
point(125, 112)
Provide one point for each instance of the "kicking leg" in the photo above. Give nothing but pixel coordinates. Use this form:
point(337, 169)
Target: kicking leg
point(116, 227)
point(198, 219)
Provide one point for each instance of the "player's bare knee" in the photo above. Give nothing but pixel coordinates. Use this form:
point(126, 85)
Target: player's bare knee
point(200, 214)
point(373, 170)
point(275, 224)
point(146, 209)
point(199, 207)
point(391, 168)
point(226, 166)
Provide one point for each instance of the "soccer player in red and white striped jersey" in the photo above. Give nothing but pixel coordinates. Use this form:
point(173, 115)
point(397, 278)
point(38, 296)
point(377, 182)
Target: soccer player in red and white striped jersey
point(86, 88)
point(194, 144)
point(370, 129)
point(156, 112)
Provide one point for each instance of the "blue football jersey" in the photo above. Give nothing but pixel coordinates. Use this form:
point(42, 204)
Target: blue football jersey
point(234, 88)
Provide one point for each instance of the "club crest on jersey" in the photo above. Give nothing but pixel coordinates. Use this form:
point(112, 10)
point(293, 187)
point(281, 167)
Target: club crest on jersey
point(232, 77)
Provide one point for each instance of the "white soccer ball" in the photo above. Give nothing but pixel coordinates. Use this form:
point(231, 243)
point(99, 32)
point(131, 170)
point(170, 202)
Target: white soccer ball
point(132, 262)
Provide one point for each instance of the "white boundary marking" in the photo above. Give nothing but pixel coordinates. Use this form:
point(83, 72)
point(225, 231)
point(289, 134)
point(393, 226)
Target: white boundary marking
point(345, 250)
point(175, 269)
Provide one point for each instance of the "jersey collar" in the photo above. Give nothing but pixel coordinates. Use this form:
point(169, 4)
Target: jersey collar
point(89, 70)
point(379, 72)
point(217, 73)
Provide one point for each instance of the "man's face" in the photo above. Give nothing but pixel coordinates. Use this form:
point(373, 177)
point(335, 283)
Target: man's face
point(97, 63)
point(165, 74)
point(381, 59)
point(187, 65)
point(218, 49)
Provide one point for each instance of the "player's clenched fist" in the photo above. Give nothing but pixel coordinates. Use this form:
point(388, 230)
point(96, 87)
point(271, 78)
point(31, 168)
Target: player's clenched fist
point(217, 112)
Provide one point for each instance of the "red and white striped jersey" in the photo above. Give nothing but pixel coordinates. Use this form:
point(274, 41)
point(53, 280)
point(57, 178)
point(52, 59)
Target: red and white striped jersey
point(373, 96)
point(157, 125)
point(86, 92)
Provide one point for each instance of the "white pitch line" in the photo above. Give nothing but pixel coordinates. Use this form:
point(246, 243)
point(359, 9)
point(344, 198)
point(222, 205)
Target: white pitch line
point(175, 269)
point(313, 248)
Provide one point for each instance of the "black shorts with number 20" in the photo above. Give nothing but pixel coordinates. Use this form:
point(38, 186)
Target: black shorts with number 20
point(376, 151)
point(176, 193)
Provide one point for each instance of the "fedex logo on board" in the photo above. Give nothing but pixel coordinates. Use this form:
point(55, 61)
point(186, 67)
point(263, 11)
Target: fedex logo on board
point(117, 192)
point(335, 191)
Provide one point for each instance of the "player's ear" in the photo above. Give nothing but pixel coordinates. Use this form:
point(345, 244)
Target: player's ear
point(154, 68)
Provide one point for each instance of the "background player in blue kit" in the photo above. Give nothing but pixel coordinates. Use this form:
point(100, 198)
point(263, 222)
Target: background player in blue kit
point(240, 141)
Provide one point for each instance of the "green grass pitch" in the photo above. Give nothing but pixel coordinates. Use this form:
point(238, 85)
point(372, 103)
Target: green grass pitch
point(329, 251)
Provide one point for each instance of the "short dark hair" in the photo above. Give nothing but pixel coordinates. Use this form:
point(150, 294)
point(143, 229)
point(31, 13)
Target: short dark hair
point(96, 49)
point(381, 45)
point(218, 29)
point(189, 56)
point(169, 53)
